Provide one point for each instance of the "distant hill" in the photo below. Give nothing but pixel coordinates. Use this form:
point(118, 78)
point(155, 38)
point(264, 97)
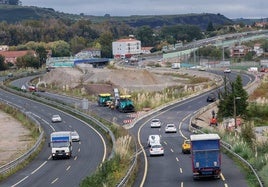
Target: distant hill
point(249, 21)
point(13, 14)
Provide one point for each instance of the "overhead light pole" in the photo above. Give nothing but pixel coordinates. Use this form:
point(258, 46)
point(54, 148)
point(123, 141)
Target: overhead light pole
point(235, 98)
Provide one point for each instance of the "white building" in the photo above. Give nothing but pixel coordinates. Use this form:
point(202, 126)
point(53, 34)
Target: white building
point(4, 48)
point(125, 48)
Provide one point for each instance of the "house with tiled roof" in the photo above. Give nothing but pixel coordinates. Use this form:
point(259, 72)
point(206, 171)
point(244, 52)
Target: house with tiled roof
point(146, 50)
point(239, 51)
point(126, 48)
point(11, 56)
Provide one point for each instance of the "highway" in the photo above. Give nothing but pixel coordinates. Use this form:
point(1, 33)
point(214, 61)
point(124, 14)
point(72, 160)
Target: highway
point(174, 168)
point(43, 171)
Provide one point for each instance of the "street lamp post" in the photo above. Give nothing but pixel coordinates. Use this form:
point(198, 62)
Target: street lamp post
point(235, 98)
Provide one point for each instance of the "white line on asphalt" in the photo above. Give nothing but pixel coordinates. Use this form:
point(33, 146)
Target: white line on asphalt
point(20, 181)
point(39, 167)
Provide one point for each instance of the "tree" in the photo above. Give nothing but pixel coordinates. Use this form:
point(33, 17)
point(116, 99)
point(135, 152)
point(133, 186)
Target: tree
point(2, 63)
point(60, 48)
point(105, 40)
point(210, 27)
point(265, 46)
point(28, 60)
point(77, 44)
point(145, 35)
point(240, 92)
point(233, 92)
point(42, 55)
point(13, 2)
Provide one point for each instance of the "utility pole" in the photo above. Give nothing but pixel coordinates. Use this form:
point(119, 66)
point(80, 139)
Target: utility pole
point(235, 98)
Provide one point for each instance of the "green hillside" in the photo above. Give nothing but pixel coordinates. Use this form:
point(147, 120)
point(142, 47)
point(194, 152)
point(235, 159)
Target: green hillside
point(13, 14)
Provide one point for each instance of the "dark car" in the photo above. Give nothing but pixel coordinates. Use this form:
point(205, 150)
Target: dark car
point(211, 97)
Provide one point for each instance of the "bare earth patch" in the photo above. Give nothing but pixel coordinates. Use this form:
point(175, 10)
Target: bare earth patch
point(96, 80)
point(14, 138)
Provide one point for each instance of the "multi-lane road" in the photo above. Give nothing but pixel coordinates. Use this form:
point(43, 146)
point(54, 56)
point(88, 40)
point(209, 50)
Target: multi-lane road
point(43, 171)
point(172, 169)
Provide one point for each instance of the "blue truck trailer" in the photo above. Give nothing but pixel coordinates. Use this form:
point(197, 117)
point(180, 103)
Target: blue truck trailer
point(206, 156)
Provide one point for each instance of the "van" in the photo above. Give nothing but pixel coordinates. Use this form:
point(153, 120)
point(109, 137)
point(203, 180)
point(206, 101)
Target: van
point(153, 139)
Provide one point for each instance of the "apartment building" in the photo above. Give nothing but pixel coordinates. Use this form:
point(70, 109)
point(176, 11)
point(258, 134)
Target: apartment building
point(126, 48)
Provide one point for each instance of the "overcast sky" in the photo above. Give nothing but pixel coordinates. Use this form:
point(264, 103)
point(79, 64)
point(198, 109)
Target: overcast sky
point(229, 8)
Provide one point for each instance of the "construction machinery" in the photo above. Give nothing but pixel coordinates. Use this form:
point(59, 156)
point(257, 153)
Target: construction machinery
point(104, 99)
point(124, 104)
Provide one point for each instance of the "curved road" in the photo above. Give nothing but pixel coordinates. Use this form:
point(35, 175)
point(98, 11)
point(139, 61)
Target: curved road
point(174, 168)
point(43, 171)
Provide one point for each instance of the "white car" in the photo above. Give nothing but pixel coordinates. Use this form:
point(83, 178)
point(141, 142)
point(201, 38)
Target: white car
point(56, 118)
point(155, 123)
point(170, 128)
point(75, 136)
point(153, 139)
point(156, 149)
point(227, 70)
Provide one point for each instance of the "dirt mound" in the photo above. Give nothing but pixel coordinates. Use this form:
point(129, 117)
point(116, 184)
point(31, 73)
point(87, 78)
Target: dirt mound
point(103, 80)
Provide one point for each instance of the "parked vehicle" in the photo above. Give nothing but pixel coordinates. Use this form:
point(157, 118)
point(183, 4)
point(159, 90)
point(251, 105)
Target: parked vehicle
point(170, 128)
point(206, 157)
point(227, 70)
point(56, 118)
point(103, 99)
point(61, 144)
point(125, 104)
point(156, 149)
point(186, 146)
point(155, 123)
point(253, 69)
point(153, 139)
point(264, 69)
point(176, 66)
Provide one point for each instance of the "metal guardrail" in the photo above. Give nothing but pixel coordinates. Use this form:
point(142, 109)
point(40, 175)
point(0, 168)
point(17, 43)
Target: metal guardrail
point(9, 166)
point(126, 177)
point(13, 164)
point(66, 108)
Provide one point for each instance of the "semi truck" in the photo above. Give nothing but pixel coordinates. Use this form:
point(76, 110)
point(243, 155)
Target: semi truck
point(61, 144)
point(206, 157)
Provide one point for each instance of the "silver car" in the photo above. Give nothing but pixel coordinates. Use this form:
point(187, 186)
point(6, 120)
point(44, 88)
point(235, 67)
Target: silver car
point(156, 149)
point(56, 118)
point(170, 128)
point(155, 123)
point(75, 136)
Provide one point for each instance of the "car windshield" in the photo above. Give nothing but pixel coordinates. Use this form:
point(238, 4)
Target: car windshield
point(170, 125)
point(74, 134)
point(155, 120)
point(187, 141)
point(56, 116)
point(157, 146)
point(59, 144)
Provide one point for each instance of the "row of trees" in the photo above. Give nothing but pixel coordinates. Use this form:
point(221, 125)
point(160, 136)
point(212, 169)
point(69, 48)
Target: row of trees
point(82, 34)
point(232, 99)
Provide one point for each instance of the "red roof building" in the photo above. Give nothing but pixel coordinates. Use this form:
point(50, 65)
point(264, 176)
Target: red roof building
point(11, 56)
